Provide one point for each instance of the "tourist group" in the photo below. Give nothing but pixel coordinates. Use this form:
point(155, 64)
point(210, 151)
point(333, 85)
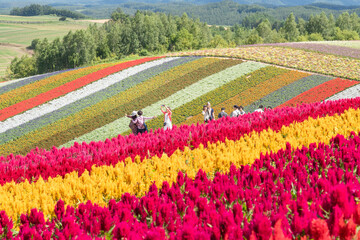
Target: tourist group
point(138, 125)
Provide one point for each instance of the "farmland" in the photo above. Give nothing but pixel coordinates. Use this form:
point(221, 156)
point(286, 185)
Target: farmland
point(16, 33)
point(68, 166)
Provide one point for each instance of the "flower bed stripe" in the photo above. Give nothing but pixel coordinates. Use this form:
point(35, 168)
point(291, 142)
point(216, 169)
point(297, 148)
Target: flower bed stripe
point(319, 47)
point(320, 92)
point(82, 157)
point(343, 67)
point(32, 90)
point(177, 99)
point(351, 92)
point(218, 95)
point(111, 109)
point(288, 92)
point(254, 93)
point(87, 96)
point(13, 84)
point(109, 182)
point(66, 88)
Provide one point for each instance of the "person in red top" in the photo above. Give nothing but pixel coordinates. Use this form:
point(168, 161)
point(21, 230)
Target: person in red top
point(167, 117)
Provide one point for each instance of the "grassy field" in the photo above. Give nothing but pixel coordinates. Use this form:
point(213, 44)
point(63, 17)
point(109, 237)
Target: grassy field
point(16, 33)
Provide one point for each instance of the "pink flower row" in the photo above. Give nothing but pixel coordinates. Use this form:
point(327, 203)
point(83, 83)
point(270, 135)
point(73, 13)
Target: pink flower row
point(81, 157)
point(294, 193)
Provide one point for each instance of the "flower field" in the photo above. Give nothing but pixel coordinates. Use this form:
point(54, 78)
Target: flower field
point(217, 198)
point(288, 173)
point(318, 62)
point(344, 49)
point(320, 92)
point(88, 104)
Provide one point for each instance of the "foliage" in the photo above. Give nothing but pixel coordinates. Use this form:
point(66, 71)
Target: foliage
point(22, 67)
point(146, 33)
point(36, 10)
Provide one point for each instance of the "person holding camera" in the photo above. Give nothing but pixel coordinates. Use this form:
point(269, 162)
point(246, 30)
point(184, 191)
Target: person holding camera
point(167, 117)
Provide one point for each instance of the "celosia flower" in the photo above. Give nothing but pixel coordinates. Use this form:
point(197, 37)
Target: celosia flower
point(319, 230)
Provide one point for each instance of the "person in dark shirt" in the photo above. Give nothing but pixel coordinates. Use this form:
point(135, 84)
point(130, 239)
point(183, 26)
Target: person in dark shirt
point(222, 113)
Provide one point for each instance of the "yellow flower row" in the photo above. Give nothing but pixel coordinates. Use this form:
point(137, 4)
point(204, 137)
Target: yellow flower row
point(107, 182)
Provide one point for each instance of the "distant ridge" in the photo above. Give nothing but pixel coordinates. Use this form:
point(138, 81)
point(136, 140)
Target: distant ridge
point(330, 4)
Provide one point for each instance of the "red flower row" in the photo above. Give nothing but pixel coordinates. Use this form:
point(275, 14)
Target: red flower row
point(66, 88)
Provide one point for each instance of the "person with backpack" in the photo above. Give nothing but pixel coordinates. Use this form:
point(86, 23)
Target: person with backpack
point(140, 122)
point(167, 117)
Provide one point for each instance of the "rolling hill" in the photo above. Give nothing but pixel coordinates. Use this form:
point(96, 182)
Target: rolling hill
point(89, 104)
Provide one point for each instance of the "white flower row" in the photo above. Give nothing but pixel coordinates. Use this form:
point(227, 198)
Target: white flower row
point(176, 100)
point(76, 95)
point(351, 92)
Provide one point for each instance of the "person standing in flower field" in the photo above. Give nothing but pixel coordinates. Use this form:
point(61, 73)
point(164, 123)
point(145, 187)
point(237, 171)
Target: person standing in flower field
point(132, 125)
point(210, 112)
point(260, 109)
point(241, 110)
point(140, 122)
point(222, 113)
point(167, 117)
point(206, 114)
point(236, 111)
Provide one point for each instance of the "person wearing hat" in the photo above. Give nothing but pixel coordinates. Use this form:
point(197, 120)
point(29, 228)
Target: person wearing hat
point(132, 124)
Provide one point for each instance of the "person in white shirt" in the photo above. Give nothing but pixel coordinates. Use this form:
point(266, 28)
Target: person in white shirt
point(167, 117)
point(260, 109)
point(236, 111)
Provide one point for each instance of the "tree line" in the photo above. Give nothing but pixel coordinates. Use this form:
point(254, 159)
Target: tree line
point(37, 10)
point(147, 33)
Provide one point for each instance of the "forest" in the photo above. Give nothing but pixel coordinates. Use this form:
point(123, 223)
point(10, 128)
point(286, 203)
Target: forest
point(37, 9)
point(147, 33)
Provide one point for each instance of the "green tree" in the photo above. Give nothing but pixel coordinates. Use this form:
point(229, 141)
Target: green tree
point(22, 67)
point(182, 40)
point(290, 28)
point(264, 28)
